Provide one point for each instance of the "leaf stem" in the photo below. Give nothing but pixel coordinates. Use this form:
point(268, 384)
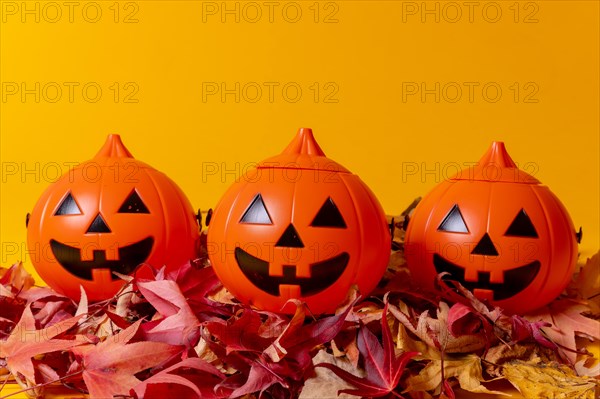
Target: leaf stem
point(42, 385)
point(5, 381)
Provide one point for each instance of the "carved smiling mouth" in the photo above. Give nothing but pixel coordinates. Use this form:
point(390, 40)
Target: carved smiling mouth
point(323, 274)
point(130, 257)
point(515, 280)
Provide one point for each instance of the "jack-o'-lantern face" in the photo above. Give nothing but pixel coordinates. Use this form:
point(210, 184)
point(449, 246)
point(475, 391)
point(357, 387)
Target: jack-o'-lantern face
point(322, 273)
point(109, 214)
point(300, 226)
point(129, 256)
point(510, 277)
point(497, 231)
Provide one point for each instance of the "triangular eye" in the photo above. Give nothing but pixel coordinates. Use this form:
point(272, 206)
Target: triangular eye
point(68, 206)
point(454, 222)
point(257, 212)
point(521, 226)
point(133, 204)
point(329, 216)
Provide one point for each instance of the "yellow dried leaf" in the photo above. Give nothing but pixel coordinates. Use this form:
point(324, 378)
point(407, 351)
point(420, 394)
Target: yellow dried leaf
point(407, 344)
point(498, 355)
point(466, 369)
point(539, 380)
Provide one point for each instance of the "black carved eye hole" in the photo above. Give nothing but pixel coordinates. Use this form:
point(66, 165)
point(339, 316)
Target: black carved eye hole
point(454, 222)
point(329, 216)
point(257, 212)
point(68, 206)
point(521, 226)
point(133, 204)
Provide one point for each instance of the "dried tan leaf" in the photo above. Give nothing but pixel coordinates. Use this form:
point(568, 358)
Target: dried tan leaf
point(222, 295)
point(366, 312)
point(587, 282)
point(421, 329)
point(21, 279)
point(588, 367)
point(325, 384)
point(82, 308)
point(462, 344)
point(124, 301)
point(350, 351)
point(466, 368)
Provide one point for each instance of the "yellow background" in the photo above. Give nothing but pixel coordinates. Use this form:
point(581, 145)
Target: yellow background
point(362, 55)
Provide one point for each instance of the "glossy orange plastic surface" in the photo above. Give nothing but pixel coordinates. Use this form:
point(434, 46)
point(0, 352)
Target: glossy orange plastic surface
point(109, 214)
point(496, 230)
point(299, 226)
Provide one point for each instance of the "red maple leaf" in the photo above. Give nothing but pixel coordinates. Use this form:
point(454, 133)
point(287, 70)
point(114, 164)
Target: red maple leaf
point(11, 310)
point(26, 342)
point(279, 367)
point(109, 367)
point(240, 334)
point(190, 375)
point(524, 330)
point(179, 325)
point(196, 283)
point(297, 340)
point(562, 320)
point(383, 369)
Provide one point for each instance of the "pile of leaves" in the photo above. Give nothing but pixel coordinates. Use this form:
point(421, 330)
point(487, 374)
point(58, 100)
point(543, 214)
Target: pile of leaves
point(181, 334)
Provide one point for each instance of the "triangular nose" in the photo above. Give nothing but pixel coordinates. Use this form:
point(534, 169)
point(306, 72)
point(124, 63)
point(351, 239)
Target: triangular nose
point(485, 247)
point(98, 226)
point(290, 238)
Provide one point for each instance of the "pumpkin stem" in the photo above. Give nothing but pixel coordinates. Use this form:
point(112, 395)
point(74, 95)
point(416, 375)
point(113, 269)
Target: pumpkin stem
point(304, 144)
point(498, 156)
point(113, 148)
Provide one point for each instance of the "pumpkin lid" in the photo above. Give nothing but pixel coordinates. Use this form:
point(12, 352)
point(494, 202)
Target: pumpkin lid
point(496, 165)
point(303, 152)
